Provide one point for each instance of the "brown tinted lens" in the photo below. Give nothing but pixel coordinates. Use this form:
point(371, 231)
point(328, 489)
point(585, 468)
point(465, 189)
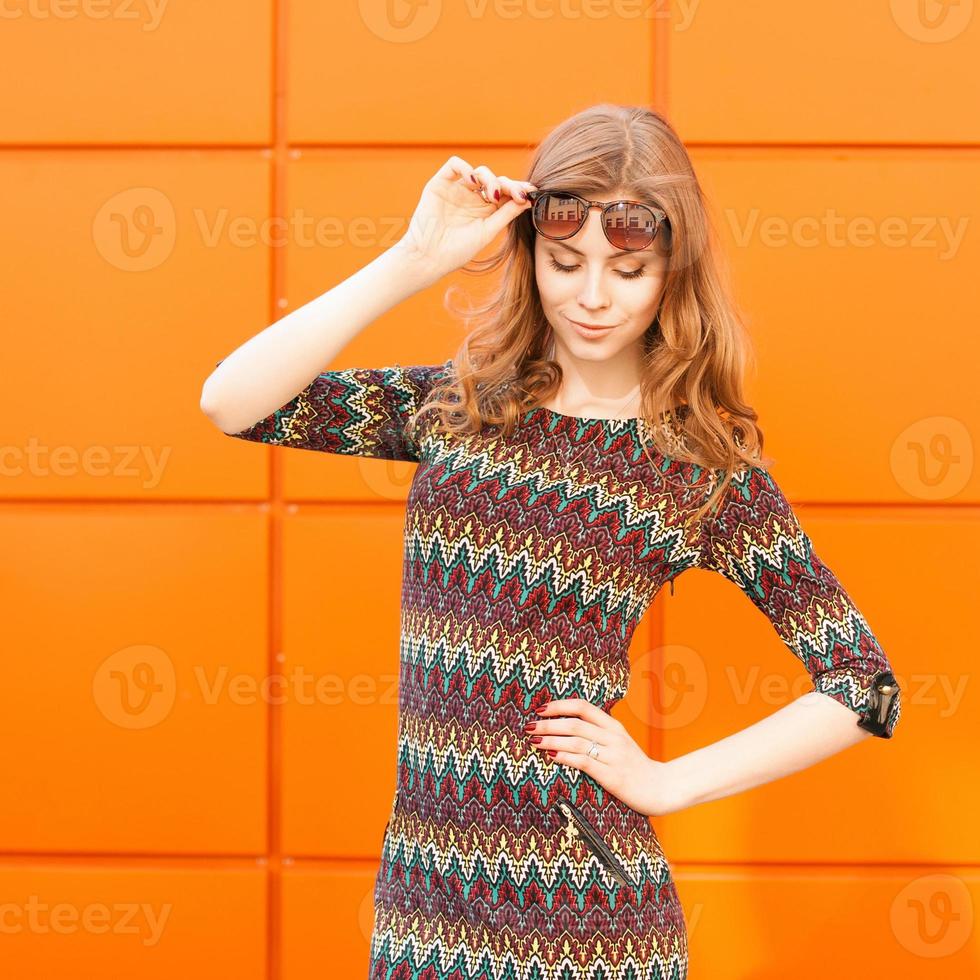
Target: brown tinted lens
point(556, 216)
point(630, 226)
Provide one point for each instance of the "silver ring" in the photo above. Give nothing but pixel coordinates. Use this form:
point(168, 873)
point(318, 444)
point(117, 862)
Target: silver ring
point(483, 194)
point(594, 751)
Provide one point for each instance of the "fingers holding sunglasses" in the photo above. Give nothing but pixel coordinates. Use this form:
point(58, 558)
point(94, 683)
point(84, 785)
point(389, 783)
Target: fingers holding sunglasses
point(485, 183)
point(462, 175)
point(496, 188)
point(518, 189)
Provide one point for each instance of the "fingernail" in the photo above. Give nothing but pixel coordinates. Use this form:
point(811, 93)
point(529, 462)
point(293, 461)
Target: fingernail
point(522, 195)
point(529, 727)
point(496, 195)
point(552, 753)
point(542, 708)
point(536, 739)
point(473, 178)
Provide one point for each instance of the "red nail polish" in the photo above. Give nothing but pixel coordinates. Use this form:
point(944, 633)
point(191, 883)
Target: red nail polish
point(496, 195)
point(552, 753)
point(536, 739)
point(530, 726)
point(542, 708)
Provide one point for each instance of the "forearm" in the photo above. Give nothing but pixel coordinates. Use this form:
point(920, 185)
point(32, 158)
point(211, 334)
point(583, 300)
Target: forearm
point(802, 733)
point(273, 366)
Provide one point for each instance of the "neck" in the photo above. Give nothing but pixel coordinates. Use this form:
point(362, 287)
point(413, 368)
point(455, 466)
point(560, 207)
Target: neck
point(585, 385)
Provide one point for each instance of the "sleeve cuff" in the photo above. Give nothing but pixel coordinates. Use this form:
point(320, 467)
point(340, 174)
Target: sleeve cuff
point(875, 698)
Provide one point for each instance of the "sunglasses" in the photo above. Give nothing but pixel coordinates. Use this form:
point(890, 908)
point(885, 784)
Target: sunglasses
point(628, 225)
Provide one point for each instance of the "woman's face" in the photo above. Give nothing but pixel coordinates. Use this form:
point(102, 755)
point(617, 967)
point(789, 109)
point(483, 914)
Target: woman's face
point(585, 279)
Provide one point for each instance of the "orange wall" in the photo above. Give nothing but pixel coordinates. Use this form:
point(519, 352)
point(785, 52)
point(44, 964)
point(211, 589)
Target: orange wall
point(165, 815)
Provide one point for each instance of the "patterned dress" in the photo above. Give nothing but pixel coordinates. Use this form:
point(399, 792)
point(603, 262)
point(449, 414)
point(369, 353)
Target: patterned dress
point(528, 562)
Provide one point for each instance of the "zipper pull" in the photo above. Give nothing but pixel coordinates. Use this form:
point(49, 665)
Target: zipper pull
point(592, 841)
point(885, 688)
point(570, 829)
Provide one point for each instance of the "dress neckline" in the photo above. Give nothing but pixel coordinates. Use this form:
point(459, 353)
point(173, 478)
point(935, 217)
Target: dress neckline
point(581, 419)
point(667, 466)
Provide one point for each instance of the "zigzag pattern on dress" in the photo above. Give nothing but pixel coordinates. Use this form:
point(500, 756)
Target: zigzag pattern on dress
point(757, 542)
point(529, 559)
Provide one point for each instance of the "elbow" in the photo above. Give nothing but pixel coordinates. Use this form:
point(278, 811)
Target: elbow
point(210, 404)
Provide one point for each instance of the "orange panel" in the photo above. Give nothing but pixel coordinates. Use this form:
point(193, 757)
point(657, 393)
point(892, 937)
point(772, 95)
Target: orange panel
point(326, 923)
point(459, 73)
point(158, 73)
point(135, 273)
point(347, 207)
point(811, 923)
point(153, 781)
point(898, 72)
point(854, 270)
point(634, 710)
point(342, 580)
point(131, 714)
point(143, 919)
point(730, 669)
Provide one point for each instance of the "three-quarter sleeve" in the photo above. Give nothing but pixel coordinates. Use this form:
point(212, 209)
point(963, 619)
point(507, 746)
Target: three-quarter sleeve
point(755, 540)
point(352, 412)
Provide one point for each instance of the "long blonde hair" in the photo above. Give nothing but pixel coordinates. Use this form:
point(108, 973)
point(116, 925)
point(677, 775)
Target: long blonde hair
point(697, 349)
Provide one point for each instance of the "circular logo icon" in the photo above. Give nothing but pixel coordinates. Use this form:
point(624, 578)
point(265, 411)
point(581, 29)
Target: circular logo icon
point(136, 229)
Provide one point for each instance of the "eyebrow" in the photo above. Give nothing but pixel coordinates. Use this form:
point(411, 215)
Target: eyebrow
point(639, 253)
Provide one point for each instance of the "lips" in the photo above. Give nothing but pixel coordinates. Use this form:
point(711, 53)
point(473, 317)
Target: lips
point(587, 333)
point(589, 326)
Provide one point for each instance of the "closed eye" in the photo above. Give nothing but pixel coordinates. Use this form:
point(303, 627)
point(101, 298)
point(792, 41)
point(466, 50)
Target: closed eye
point(558, 267)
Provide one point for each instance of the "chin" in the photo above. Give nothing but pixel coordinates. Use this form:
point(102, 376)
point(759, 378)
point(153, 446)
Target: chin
point(592, 349)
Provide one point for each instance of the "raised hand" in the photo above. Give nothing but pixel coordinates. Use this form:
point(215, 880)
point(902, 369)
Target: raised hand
point(461, 210)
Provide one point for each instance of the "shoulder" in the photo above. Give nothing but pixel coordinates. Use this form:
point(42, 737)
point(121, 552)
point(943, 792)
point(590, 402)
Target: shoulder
point(426, 376)
point(754, 504)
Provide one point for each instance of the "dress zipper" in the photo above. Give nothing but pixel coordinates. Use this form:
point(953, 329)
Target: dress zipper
point(577, 825)
point(885, 688)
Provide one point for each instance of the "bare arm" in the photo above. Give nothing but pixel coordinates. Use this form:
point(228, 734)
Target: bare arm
point(756, 541)
point(267, 370)
point(798, 735)
point(451, 224)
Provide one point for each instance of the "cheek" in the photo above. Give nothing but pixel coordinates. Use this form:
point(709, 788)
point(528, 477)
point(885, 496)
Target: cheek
point(553, 287)
point(641, 311)
point(645, 300)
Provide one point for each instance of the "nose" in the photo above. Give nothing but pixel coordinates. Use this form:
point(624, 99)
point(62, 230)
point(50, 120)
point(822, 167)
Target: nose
point(593, 295)
point(594, 288)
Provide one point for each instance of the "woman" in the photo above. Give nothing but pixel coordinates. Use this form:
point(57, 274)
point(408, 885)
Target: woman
point(588, 443)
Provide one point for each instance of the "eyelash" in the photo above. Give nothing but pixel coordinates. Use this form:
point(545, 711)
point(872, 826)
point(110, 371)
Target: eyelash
point(558, 267)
